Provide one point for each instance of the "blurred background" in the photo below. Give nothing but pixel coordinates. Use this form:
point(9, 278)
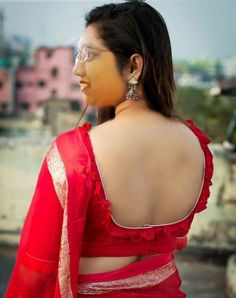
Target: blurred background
point(40, 98)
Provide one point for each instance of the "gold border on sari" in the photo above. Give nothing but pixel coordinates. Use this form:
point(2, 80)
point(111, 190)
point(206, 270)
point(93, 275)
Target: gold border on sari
point(147, 279)
point(58, 173)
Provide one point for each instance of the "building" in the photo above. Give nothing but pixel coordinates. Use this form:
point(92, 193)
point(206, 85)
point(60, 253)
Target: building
point(50, 78)
point(24, 88)
point(4, 90)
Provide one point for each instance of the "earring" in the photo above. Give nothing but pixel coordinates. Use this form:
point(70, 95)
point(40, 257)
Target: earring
point(131, 94)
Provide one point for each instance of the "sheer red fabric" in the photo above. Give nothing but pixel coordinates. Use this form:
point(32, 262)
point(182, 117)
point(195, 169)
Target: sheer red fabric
point(70, 216)
point(153, 277)
point(49, 249)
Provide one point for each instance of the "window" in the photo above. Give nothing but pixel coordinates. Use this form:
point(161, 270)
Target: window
point(53, 93)
point(25, 106)
point(75, 105)
point(4, 107)
point(49, 53)
point(54, 72)
point(41, 83)
point(19, 84)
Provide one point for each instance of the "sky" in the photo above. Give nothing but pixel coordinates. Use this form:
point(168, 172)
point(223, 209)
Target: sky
point(197, 28)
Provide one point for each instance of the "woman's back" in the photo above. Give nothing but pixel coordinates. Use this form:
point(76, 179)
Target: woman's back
point(148, 165)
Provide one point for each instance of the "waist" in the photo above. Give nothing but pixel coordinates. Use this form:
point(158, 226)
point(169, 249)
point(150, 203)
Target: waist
point(144, 273)
point(141, 266)
point(90, 265)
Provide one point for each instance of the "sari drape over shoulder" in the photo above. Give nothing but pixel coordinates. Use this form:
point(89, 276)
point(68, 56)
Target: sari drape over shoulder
point(70, 217)
point(51, 239)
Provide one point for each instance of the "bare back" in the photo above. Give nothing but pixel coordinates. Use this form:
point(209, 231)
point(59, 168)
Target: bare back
point(152, 171)
point(148, 167)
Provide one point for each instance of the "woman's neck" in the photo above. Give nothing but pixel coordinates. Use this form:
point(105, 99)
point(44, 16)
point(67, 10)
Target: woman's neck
point(131, 106)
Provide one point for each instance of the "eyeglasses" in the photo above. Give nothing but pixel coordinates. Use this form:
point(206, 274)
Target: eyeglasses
point(87, 54)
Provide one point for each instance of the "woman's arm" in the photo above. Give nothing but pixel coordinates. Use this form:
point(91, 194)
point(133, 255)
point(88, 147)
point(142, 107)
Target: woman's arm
point(35, 270)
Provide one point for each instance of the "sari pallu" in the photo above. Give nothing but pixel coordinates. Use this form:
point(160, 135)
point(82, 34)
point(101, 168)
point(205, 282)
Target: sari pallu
point(153, 277)
point(47, 261)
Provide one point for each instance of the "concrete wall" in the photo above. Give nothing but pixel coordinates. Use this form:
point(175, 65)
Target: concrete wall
point(20, 161)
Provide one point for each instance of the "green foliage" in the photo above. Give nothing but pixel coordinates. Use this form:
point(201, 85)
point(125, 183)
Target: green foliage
point(203, 66)
point(199, 66)
point(211, 114)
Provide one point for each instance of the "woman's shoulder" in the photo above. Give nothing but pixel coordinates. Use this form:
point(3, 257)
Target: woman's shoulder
point(147, 131)
point(73, 144)
point(73, 135)
point(169, 137)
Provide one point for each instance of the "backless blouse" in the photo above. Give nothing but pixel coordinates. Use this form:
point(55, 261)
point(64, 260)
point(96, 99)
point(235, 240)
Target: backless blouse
point(105, 237)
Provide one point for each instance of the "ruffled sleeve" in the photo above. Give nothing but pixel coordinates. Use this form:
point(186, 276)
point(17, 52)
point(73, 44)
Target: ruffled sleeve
point(204, 141)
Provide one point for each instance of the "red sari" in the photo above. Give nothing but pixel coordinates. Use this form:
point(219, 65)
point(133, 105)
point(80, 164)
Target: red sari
point(54, 233)
point(50, 244)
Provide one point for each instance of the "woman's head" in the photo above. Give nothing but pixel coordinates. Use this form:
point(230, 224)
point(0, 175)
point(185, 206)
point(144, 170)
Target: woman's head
point(101, 82)
point(135, 29)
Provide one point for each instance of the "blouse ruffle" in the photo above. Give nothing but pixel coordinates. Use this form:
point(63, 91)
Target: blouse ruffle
point(177, 229)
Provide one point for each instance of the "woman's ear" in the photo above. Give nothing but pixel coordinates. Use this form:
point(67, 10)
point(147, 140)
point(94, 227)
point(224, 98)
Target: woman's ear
point(135, 66)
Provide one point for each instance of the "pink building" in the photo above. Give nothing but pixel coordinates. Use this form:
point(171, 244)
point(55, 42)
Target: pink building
point(26, 90)
point(4, 90)
point(51, 77)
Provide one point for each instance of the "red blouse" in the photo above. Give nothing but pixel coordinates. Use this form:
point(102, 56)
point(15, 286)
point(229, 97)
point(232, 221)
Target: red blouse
point(104, 237)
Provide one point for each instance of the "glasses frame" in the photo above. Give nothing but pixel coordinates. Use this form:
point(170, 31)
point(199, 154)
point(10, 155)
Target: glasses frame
point(83, 54)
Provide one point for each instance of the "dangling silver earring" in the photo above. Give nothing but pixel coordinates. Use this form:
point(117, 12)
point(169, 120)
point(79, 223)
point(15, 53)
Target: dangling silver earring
point(131, 94)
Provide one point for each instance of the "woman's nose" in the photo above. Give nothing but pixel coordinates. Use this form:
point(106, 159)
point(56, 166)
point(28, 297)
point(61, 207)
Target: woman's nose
point(78, 69)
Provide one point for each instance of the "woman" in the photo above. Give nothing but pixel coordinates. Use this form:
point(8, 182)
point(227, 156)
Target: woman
point(113, 202)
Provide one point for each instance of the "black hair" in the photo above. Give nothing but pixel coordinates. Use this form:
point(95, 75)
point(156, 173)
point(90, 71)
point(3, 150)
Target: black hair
point(136, 27)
